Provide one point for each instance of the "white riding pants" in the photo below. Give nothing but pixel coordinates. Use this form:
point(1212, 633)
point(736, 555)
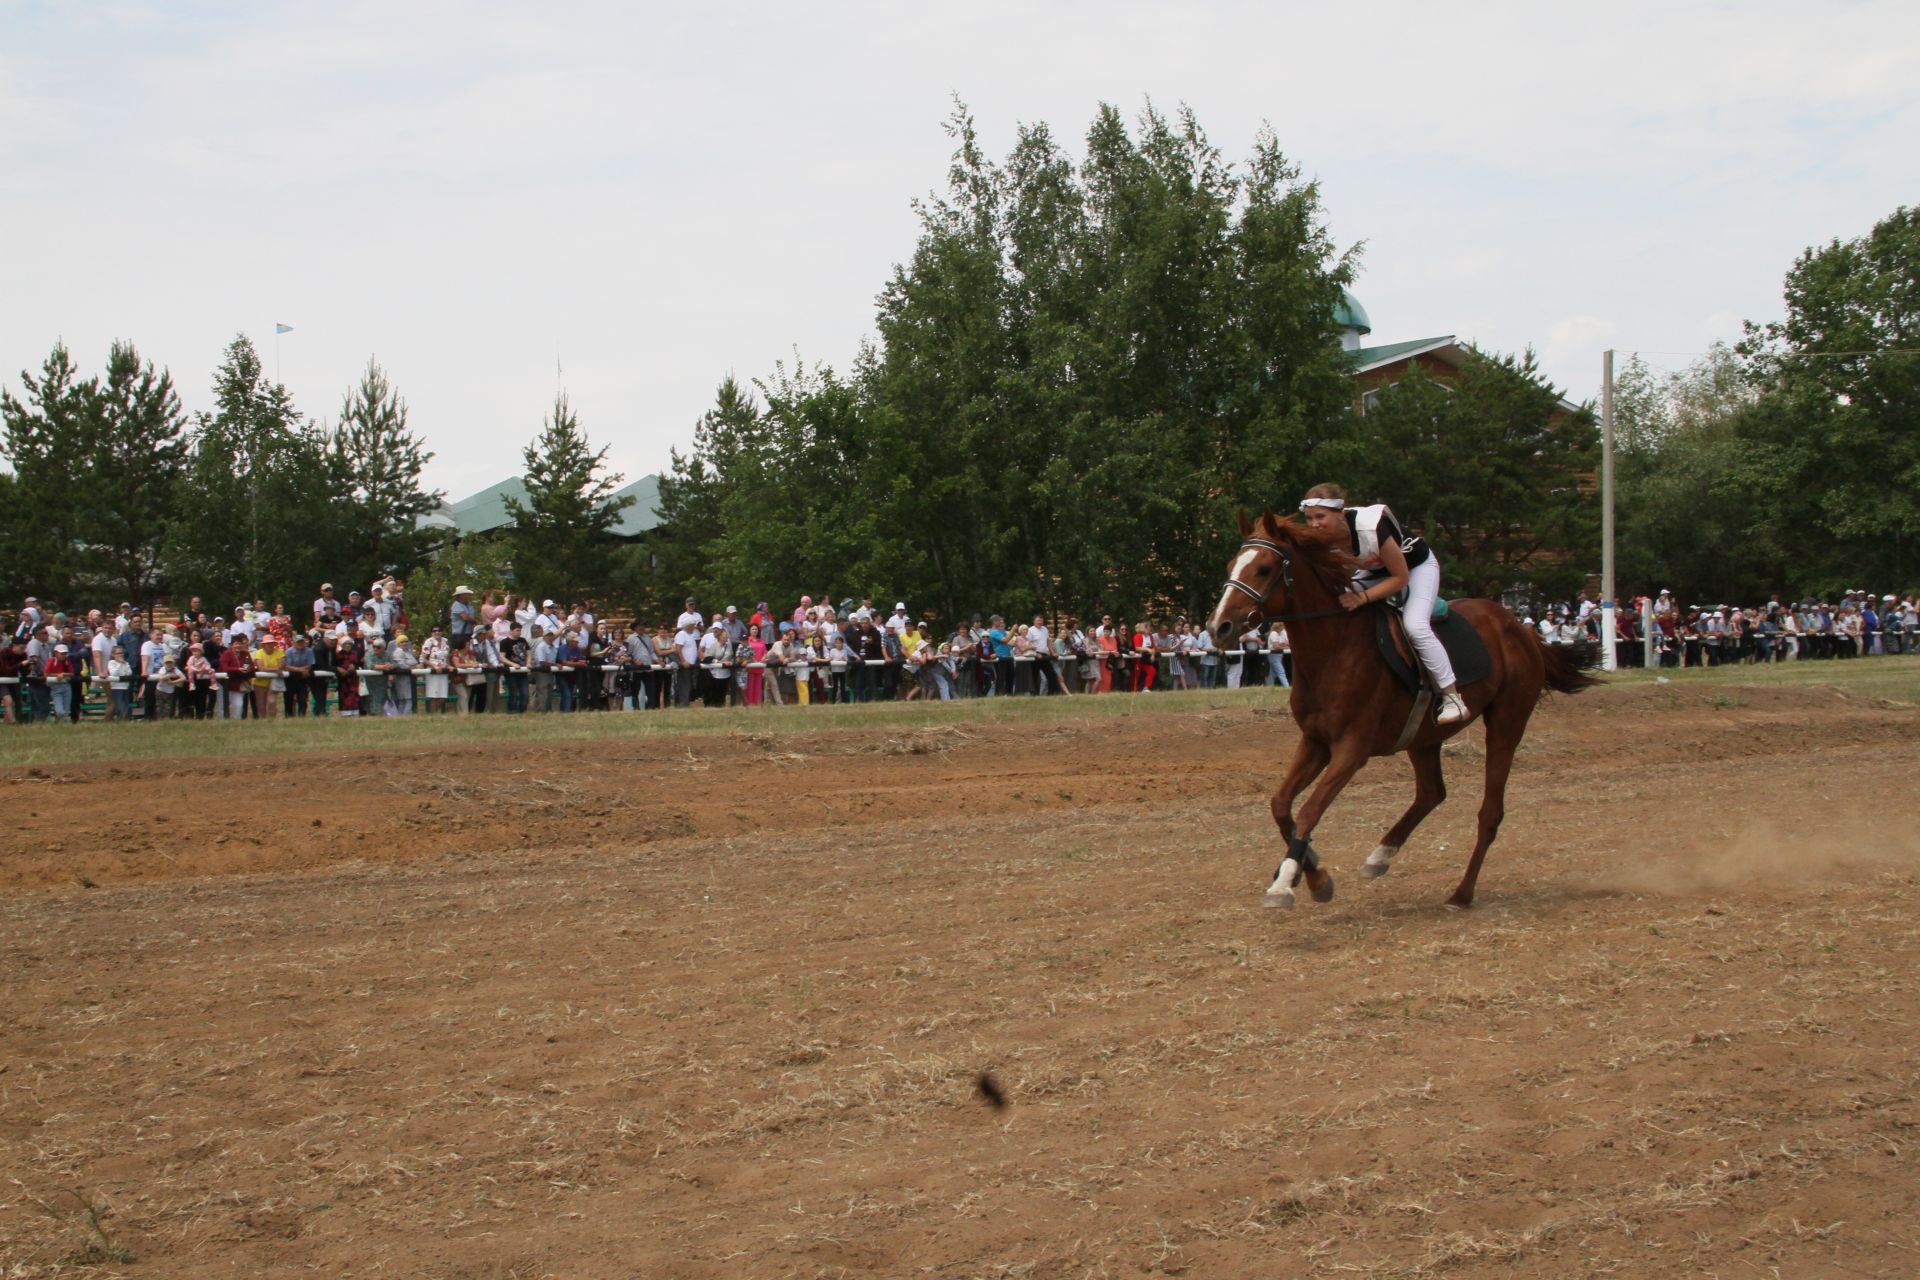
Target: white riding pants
point(1423, 588)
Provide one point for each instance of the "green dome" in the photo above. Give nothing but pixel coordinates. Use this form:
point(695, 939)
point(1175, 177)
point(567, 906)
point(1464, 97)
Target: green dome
point(1349, 314)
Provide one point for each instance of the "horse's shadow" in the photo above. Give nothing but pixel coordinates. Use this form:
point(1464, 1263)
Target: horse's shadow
point(1350, 910)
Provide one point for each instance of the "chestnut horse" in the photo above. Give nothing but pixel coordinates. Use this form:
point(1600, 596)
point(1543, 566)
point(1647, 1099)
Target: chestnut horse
point(1350, 706)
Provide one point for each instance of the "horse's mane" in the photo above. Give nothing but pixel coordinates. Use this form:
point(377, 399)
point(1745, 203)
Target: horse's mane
point(1322, 552)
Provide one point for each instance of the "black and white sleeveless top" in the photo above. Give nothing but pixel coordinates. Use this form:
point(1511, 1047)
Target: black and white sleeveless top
point(1368, 527)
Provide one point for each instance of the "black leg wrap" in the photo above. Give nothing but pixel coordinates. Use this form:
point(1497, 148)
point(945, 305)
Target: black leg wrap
point(1301, 851)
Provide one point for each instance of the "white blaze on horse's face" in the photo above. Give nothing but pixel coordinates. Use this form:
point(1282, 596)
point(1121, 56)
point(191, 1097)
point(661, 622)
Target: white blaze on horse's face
point(1236, 607)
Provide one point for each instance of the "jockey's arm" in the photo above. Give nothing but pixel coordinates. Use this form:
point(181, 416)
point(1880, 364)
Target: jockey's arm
point(1395, 562)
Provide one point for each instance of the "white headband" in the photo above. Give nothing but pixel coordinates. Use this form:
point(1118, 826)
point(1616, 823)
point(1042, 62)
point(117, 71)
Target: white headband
point(1331, 503)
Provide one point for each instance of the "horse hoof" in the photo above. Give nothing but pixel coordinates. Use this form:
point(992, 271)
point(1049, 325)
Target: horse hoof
point(1278, 898)
point(1324, 892)
point(1379, 862)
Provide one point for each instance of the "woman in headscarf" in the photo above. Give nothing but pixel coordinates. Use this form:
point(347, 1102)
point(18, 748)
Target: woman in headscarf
point(756, 655)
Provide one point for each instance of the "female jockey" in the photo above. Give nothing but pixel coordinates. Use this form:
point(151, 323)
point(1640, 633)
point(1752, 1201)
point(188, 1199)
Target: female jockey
point(1391, 560)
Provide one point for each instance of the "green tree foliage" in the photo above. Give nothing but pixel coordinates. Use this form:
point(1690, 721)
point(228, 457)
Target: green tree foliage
point(132, 474)
point(1793, 464)
point(1489, 468)
point(1689, 497)
point(483, 562)
point(375, 464)
point(46, 434)
point(97, 467)
point(1082, 371)
point(562, 544)
point(16, 571)
point(693, 494)
point(251, 514)
point(1837, 423)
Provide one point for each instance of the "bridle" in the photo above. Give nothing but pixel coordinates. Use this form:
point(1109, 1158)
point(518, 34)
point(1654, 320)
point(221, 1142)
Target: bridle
point(1260, 598)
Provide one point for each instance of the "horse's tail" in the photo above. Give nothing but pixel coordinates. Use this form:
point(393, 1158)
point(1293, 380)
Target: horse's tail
point(1568, 665)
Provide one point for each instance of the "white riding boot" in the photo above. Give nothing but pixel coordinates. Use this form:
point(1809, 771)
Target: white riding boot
point(1452, 709)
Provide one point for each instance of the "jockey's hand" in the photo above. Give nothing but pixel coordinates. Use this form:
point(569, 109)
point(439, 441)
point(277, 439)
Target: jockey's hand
point(1353, 600)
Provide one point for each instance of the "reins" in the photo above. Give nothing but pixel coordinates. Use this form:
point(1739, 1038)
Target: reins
point(1260, 598)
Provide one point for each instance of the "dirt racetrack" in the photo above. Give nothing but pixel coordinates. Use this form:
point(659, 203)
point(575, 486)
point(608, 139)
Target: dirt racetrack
point(715, 1005)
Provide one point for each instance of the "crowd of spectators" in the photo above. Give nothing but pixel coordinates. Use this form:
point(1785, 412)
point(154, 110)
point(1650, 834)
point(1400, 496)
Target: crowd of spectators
point(1858, 624)
point(363, 655)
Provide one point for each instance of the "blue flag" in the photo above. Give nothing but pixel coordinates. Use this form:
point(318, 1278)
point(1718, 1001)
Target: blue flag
point(279, 328)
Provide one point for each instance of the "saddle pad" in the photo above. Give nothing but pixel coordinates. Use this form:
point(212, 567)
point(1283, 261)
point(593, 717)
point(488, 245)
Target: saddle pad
point(1463, 645)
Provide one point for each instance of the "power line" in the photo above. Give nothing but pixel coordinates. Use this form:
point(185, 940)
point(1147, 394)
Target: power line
point(1830, 355)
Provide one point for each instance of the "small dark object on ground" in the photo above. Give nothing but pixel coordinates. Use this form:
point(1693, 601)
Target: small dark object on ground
point(991, 1091)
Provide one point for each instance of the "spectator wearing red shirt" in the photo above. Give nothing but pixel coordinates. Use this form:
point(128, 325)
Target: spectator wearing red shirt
point(236, 664)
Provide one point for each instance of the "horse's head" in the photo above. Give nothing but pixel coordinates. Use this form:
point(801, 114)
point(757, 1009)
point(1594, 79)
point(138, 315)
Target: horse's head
point(1262, 583)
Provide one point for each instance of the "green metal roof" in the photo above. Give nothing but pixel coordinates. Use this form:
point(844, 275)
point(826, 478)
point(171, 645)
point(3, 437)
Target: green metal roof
point(486, 510)
point(1349, 314)
point(644, 514)
point(1367, 357)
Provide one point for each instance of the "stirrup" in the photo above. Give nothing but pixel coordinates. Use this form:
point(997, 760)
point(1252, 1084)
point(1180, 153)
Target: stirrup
point(1452, 709)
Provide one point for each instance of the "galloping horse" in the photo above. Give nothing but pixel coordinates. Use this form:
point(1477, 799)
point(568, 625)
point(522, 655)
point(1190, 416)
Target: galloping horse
point(1350, 706)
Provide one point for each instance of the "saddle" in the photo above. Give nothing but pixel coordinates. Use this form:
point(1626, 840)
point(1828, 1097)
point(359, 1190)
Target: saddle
point(1465, 649)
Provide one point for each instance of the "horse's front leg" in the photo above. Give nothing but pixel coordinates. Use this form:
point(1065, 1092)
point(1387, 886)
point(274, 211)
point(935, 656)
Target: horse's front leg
point(1343, 759)
point(1309, 758)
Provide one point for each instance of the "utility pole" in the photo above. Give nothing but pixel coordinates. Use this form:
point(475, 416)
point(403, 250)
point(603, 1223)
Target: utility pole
point(1609, 661)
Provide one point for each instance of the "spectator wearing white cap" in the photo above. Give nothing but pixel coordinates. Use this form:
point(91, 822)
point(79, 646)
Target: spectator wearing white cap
point(897, 621)
point(543, 651)
point(101, 647)
point(58, 673)
point(548, 620)
point(326, 609)
point(686, 658)
point(463, 617)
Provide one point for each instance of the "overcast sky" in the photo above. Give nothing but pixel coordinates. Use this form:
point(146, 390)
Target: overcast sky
point(653, 195)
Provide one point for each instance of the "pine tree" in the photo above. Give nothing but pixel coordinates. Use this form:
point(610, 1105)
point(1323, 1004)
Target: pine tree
point(130, 483)
point(46, 436)
point(376, 463)
point(562, 543)
point(97, 464)
point(693, 493)
point(254, 505)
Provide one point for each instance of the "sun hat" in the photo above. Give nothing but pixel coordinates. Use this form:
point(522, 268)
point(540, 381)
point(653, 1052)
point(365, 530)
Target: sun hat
point(463, 591)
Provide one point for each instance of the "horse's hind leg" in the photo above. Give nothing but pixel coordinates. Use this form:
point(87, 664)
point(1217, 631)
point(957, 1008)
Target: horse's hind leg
point(1430, 788)
point(1505, 726)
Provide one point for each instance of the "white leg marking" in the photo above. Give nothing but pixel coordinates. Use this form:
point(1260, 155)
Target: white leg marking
point(1380, 861)
point(1280, 892)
